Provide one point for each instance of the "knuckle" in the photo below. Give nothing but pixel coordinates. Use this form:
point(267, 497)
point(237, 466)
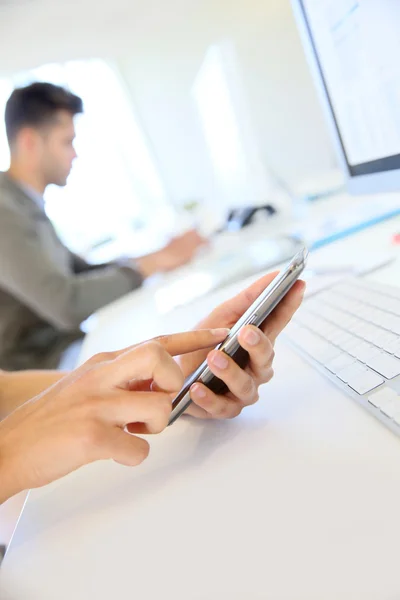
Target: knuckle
point(103, 357)
point(221, 412)
point(163, 340)
point(255, 398)
point(154, 349)
point(235, 411)
point(247, 389)
point(90, 378)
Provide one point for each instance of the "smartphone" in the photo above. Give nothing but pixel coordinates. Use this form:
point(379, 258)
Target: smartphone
point(255, 315)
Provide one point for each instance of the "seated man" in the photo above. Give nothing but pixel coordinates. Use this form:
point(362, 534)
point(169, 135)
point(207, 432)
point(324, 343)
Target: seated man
point(82, 417)
point(45, 290)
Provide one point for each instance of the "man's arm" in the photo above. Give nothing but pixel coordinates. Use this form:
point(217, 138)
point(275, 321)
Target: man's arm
point(79, 265)
point(30, 273)
point(179, 251)
point(17, 388)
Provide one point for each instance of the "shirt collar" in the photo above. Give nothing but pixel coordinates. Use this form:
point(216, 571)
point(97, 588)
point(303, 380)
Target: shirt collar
point(33, 195)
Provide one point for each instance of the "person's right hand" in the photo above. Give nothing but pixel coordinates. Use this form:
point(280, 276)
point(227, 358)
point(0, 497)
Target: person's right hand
point(84, 417)
point(178, 252)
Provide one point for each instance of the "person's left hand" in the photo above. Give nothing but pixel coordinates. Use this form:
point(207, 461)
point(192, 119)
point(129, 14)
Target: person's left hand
point(243, 384)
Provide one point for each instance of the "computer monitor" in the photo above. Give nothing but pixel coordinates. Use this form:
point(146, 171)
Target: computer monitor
point(354, 47)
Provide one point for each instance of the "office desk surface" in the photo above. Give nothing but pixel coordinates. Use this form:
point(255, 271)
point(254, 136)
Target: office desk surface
point(296, 499)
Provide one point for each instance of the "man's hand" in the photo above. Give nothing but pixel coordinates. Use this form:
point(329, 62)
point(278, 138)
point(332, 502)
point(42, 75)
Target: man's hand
point(242, 383)
point(86, 416)
point(177, 253)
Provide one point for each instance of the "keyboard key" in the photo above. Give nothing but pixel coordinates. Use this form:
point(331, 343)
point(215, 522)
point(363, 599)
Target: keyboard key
point(350, 344)
point(340, 362)
point(364, 351)
point(340, 337)
point(352, 372)
point(394, 348)
point(366, 382)
point(386, 340)
point(391, 323)
point(326, 352)
point(391, 408)
point(387, 400)
point(375, 335)
point(386, 365)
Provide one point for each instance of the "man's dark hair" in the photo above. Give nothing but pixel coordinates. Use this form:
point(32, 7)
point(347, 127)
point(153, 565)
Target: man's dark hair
point(37, 105)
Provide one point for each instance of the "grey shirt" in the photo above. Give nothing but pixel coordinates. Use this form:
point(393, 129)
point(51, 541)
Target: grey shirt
point(46, 291)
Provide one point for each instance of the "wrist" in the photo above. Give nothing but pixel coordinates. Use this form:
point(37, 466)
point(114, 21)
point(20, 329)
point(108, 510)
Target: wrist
point(148, 265)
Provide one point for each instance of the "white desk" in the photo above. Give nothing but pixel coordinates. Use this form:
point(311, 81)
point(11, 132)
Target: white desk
point(297, 499)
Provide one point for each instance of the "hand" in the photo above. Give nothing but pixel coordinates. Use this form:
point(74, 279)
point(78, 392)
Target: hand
point(178, 252)
point(242, 383)
point(85, 416)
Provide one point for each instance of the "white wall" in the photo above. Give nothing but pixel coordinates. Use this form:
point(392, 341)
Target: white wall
point(159, 47)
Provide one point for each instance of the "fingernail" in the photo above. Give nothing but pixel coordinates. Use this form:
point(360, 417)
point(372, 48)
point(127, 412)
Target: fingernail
point(198, 391)
point(219, 333)
point(219, 360)
point(252, 337)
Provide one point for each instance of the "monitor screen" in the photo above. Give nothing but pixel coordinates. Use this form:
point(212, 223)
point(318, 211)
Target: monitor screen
point(356, 49)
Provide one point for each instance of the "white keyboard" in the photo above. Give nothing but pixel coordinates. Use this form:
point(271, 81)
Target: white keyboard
point(351, 333)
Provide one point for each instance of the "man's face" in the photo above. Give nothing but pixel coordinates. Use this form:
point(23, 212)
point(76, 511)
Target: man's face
point(55, 149)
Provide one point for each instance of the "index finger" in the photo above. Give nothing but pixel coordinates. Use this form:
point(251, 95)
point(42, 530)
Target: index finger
point(174, 344)
point(153, 359)
point(197, 339)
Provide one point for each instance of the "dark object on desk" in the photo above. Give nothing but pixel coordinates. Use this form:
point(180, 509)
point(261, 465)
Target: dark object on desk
point(240, 217)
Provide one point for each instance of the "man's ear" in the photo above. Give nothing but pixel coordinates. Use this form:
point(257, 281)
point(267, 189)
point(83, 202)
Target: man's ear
point(28, 139)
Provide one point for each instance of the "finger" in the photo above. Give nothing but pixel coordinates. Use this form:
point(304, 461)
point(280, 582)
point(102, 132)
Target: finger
point(174, 344)
point(260, 350)
point(194, 410)
point(284, 312)
point(153, 360)
point(148, 361)
point(211, 406)
point(184, 343)
point(126, 449)
point(239, 382)
point(152, 409)
point(233, 309)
